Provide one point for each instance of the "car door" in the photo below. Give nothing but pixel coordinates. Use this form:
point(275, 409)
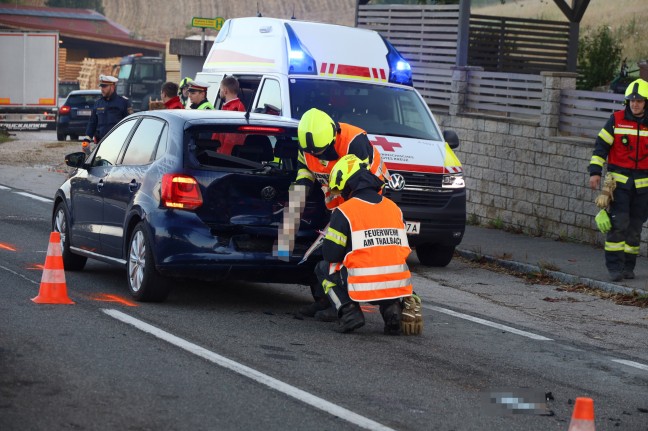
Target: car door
point(87, 189)
point(124, 180)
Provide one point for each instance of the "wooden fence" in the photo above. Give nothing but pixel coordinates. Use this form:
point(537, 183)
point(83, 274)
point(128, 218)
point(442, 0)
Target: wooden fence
point(516, 45)
point(509, 94)
point(583, 113)
point(434, 84)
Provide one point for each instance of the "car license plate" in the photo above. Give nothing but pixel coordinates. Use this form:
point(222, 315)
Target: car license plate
point(84, 112)
point(413, 227)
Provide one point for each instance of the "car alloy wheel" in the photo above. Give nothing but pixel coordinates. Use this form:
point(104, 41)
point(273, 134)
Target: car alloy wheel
point(71, 261)
point(144, 282)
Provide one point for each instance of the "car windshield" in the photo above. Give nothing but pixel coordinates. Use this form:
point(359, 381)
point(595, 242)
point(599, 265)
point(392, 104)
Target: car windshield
point(81, 99)
point(124, 71)
point(378, 109)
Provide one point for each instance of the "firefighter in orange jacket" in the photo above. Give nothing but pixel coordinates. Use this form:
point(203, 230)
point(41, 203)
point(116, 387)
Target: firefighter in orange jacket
point(365, 249)
point(322, 143)
point(623, 142)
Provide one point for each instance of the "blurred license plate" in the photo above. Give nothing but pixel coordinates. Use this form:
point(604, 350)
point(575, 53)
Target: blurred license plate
point(84, 112)
point(413, 227)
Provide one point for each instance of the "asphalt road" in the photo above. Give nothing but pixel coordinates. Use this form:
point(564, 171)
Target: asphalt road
point(233, 356)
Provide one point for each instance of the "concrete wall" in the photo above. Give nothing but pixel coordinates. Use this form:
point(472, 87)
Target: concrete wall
point(520, 174)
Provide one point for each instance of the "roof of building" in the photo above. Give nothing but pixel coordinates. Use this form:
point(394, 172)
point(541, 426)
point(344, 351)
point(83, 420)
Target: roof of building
point(84, 24)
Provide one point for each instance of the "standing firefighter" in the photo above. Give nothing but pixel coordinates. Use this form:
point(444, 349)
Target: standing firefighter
point(623, 142)
point(322, 142)
point(365, 250)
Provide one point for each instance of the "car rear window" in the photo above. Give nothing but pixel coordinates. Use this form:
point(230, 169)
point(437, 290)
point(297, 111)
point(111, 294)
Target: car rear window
point(81, 99)
point(237, 146)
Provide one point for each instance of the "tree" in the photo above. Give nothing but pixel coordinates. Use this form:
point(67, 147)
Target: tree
point(96, 5)
point(599, 57)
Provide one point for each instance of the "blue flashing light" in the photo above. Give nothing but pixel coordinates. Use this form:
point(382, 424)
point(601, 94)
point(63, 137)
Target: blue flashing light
point(400, 71)
point(300, 60)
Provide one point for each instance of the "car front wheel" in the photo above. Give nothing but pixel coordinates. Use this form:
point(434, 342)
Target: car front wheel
point(435, 254)
point(144, 282)
point(60, 224)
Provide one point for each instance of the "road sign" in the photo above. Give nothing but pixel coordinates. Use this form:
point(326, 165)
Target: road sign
point(215, 23)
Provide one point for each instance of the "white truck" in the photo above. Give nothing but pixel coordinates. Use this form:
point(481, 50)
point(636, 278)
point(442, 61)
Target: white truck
point(29, 83)
point(286, 67)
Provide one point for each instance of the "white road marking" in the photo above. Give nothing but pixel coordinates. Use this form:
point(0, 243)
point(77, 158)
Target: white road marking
point(631, 364)
point(488, 323)
point(38, 198)
point(4, 188)
point(250, 373)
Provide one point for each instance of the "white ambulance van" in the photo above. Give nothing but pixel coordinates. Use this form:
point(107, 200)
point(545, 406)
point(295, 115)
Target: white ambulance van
point(286, 67)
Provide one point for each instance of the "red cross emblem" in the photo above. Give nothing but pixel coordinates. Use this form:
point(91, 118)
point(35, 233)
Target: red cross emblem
point(385, 144)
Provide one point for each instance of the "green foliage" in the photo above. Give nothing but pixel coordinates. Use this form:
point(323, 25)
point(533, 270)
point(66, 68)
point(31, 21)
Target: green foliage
point(96, 5)
point(599, 58)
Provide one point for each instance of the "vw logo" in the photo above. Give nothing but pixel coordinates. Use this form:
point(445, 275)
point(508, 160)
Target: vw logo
point(396, 182)
point(268, 193)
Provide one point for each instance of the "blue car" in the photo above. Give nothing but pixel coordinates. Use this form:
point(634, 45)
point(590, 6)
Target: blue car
point(74, 114)
point(188, 194)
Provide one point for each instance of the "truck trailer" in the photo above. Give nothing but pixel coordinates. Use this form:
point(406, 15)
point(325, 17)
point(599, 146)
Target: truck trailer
point(29, 84)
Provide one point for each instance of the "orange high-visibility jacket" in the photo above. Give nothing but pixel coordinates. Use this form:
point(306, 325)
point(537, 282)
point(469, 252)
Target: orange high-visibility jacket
point(376, 264)
point(322, 168)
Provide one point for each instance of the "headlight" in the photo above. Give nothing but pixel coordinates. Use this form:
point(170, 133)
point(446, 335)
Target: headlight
point(453, 181)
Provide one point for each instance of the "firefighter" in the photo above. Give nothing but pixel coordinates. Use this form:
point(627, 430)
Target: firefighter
point(108, 110)
point(365, 249)
point(183, 91)
point(623, 142)
point(198, 95)
point(322, 142)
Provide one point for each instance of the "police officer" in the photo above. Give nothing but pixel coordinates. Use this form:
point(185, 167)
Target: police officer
point(198, 95)
point(365, 250)
point(108, 110)
point(623, 142)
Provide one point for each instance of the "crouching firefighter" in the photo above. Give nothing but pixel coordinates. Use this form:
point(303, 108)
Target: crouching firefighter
point(365, 250)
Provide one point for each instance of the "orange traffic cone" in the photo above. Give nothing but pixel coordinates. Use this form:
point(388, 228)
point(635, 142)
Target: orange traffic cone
point(583, 416)
point(53, 289)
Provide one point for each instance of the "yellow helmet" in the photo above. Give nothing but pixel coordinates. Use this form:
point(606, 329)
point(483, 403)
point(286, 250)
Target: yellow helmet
point(183, 84)
point(637, 90)
point(316, 131)
point(344, 169)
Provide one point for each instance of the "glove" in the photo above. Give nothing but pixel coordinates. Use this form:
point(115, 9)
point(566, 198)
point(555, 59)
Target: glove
point(606, 197)
point(411, 316)
point(603, 221)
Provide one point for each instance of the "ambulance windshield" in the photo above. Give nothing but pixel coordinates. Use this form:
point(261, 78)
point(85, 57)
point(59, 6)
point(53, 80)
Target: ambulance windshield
point(378, 109)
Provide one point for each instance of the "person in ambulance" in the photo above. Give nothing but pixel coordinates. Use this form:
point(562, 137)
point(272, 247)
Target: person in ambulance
point(322, 142)
point(365, 250)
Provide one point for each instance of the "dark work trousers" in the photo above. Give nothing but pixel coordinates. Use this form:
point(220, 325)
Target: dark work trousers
point(628, 212)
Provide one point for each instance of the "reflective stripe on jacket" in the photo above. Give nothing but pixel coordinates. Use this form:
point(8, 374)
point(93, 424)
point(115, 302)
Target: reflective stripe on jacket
point(322, 168)
point(376, 264)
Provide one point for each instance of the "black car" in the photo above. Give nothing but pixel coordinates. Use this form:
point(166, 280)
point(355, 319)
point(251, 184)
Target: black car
point(187, 193)
point(73, 116)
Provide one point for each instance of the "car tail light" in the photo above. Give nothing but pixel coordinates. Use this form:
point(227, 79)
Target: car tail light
point(181, 191)
point(65, 109)
point(261, 129)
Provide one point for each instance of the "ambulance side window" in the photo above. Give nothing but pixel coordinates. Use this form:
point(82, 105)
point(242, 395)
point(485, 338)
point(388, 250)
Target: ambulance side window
point(269, 100)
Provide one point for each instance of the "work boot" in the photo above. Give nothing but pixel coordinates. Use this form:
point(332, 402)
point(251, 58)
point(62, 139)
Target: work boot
point(392, 316)
point(327, 315)
point(616, 276)
point(628, 274)
point(310, 310)
point(351, 318)
point(411, 316)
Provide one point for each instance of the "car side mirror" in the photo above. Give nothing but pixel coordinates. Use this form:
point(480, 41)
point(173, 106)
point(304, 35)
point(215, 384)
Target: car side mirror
point(451, 138)
point(75, 160)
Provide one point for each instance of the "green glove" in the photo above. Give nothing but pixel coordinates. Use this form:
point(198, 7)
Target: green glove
point(603, 221)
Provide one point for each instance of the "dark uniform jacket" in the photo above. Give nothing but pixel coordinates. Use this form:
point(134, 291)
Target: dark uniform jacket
point(106, 113)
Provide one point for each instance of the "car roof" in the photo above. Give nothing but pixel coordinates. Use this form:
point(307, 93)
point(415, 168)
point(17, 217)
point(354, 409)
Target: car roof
point(84, 92)
point(199, 116)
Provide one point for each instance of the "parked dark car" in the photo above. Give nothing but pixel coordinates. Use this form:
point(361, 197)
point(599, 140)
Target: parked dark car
point(187, 193)
point(65, 88)
point(73, 116)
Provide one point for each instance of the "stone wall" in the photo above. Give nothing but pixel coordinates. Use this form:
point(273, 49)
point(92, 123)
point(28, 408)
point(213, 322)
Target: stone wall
point(520, 175)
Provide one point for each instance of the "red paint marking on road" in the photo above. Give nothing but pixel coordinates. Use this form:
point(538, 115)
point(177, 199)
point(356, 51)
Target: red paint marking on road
point(369, 308)
point(6, 246)
point(37, 266)
point(105, 297)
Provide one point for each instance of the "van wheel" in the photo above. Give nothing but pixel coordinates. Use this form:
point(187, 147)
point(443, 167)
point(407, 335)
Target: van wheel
point(144, 282)
point(435, 254)
point(60, 136)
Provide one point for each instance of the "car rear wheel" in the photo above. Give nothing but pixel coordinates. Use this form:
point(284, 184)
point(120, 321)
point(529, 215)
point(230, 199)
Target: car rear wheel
point(60, 136)
point(144, 282)
point(435, 254)
point(60, 224)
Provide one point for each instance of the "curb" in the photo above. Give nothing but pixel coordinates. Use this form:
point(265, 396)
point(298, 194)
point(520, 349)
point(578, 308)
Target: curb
point(560, 276)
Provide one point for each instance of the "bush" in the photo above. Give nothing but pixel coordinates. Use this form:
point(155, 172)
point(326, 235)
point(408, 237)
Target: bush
point(599, 59)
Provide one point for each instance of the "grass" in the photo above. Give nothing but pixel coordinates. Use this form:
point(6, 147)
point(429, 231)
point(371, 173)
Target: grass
point(628, 20)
